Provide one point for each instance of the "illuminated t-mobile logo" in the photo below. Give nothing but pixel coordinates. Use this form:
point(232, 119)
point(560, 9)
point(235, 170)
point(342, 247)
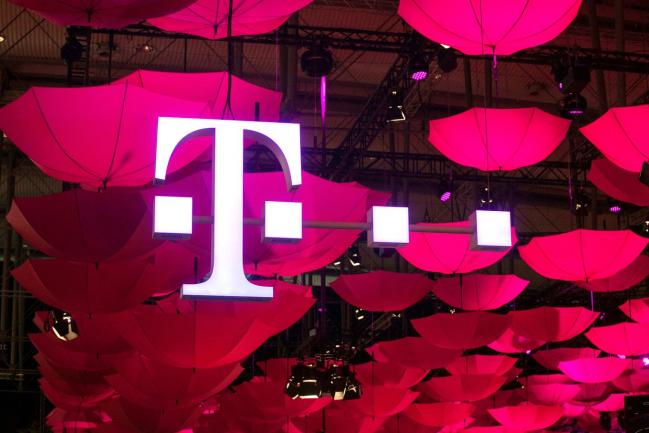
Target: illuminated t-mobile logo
point(173, 215)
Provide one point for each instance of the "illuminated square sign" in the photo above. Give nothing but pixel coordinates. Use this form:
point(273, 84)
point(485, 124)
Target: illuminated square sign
point(282, 221)
point(388, 226)
point(172, 217)
point(491, 230)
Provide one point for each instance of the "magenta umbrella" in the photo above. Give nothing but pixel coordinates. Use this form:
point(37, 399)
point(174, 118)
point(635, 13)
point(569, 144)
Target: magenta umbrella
point(552, 323)
point(618, 183)
point(511, 342)
point(498, 138)
point(413, 352)
point(594, 370)
point(629, 339)
point(628, 277)
point(583, 255)
point(101, 13)
point(209, 18)
point(489, 26)
point(636, 309)
point(97, 136)
point(551, 358)
point(448, 253)
point(620, 134)
point(497, 365)
point(479, 291)
point(462, 330)
point(462, 387)
point(527, 416)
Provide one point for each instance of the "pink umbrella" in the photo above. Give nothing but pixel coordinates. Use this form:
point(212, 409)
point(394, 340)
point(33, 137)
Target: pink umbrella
point(413, 352)
point(389, 374)
point(551, 358)
point(552, 323)
point(618, 183)
point(527, 416)
point(76, 420)
point(382, 401)
point(60, 355)
point(133, 417)
point(72, 401)
point(448, 253)
point(636, 309)
point(339, 418)
point(482, 365)
point(479, 291)
point(101, 13)
point(547, 379)
point(439, 414)
point(461, 330)
point(593, 392)
point(613, 403)
point(495, 139)
point(583, 255)
point(382, 290)
point(482, 27)
point(98, 136)
point(462, 387)
point(594, 370)
point(620, 135)
point(510, 342)
point(552, 394)
point(629, 339)
point(209, 18)
point(404, 424)
point(84, 226)
point(633, 381)
point(628, 277)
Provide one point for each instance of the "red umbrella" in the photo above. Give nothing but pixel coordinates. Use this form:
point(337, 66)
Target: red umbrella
point(495, 139)
point(448, 253)
point(439, 414)
point(382, 401)
point(620, 135)
point(76, 420)
point(462, 387)
point(186, 334)
point(479, 291)
point(389, 374)
point(527, 416)
point(338, 418)
point(551, 358)
point(497, 365)
point(98, 136)
point(482, 27)
point(510, 342)
point(636, 309)
point(583, 255)
point(630, 339)
point(382, 290)
point(101, 13)
point(461, 330)
point(628, 277)
point(593, 392)
point(618, 183)
point(60, 355)
point(552, 394)
point(157, 385)
point(413, 352)
point(613, 403)
point(633, 381)
point(547, 379)
point(133, 417)
point(84, 226)
point(404, 424)
point(65, 399)
point(594, 370)
point(209, 18)
point(552, 323)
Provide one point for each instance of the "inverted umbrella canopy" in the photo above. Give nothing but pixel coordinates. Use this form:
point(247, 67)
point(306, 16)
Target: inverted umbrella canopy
point(76, 420)
point(413, 352)
point(462, 387)
point(511, 342)
point(491, 26)
point(439, 414)
point(133, 417)
point(633, 381)
point(494, 139)
point(613, 403)
point(552, 323)
point(209, 18)
point(551, 358)
point(65, 399)
point(462, 330)
point(618, 183)
point(448, 253)
point(479, 291)
point(382, 290)
point(628, 277)
point(594, 370)
point(59, 354)
point(389, 374)
point(619, 135)
point(552, 394)
point(636, 309)
point(527, 416)
point(630, 339)
point(583, 255)
point(591, 393)
point(97, 136)
point(482, 364)
point(382, 401)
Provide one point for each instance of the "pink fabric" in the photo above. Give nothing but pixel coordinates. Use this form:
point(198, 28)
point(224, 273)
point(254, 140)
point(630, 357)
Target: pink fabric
point(489, 26)
point(382, 290)
point(613, 403)
point(594, 370)
point(101, 13)
point(479, 291)
point(552, 323)
point(209, 18)
point(551, 358)
point(382, 401)
point(404, 424)
point(547, 379)
point(413, 352)
point(618, 183)
point(439, 414)
point(495, 139)
point(583, 255)
point(461, 330)
point(636, 309)
point(84, 226)
point(133, 417)
point(553, 394)
point(628, 277)
point(77, 420)
point(510, 342)
point(481, 364)
point(463, 387)
point(448, 253)
point(389, 374)
point(527, 416)
point(338, 419)
point(620, 134)
point(630, 339)
point(592, 393)
point(72, 401)
point(633, 381)
point(61, 356)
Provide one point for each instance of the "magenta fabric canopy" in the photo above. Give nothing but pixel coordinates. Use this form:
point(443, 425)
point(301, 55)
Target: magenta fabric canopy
point(552, 323)
point(510, 342)
point(628, 277)
point(618, 183)
point(583, 255)
point(527, 416)
point(479, 27)
point(389, 374)
point(439, 414)
point(636, 309)
point(382, 401)
point(630, 339)
point(551, 358)
point(130, 416)
point(497, 365)
point(478, 292)
point(494, 139)
point(462, 387)
point(462, 330)
point(551, 394)
point(594, 370)
point(413, 352)
point(209, 18)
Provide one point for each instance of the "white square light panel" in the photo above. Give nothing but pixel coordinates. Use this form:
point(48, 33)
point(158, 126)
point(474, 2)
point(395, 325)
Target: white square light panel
point(389, 226)
point(282, 221)
point(492, 229)
point(172, 216)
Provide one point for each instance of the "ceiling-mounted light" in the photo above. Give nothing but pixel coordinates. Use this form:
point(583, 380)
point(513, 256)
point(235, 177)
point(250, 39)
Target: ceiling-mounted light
point(581, 203)
point(359, 313)
point(573, 105)
point(317, 61)
point(444, 190)
point(486, 200)
point(571, 75)
point(354, 256)
point(418, 66)
point(395, 107)
point(447, 60)
point(614, 206)
point(304, 382)
point(63, 325)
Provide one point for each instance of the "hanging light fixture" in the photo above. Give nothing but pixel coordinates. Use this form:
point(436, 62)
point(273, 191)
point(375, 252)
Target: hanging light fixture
point(395, 107)
point(444, 190)
point(447, 60)
point(63, 325)
point(614, 206)
point(418, 66)
point(317, 61)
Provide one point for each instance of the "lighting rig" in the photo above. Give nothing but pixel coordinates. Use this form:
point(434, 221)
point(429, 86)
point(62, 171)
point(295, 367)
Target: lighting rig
point(62, 325)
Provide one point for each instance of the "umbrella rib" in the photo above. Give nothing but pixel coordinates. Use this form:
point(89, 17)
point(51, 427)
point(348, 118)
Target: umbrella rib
point(525, 134)
point(117, 136)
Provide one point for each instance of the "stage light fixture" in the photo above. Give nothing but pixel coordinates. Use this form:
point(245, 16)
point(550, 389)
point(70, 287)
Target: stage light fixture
point(418, 66)
point(645, 361)
point(447, 60)
point(581, 203)
point(354, 256)
point(486, 200)
point(395, 107)
point(359, 313)
point(614, 206)
point(444, 190)
point(571, 75)
point(304, 382)
point(72, 50)
point(573, 105)
point(317, 61)
point(63, 325)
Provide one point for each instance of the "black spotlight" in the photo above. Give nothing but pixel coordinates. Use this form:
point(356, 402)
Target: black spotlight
point(571, 75)
point(354, 255)
point(72, 50)
point(304, 382)
point(395, 107)
point(573, 105)
point(444, 190)
point(317, 62)
point(418, 67)
point(63, 325)
point(447, 60)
